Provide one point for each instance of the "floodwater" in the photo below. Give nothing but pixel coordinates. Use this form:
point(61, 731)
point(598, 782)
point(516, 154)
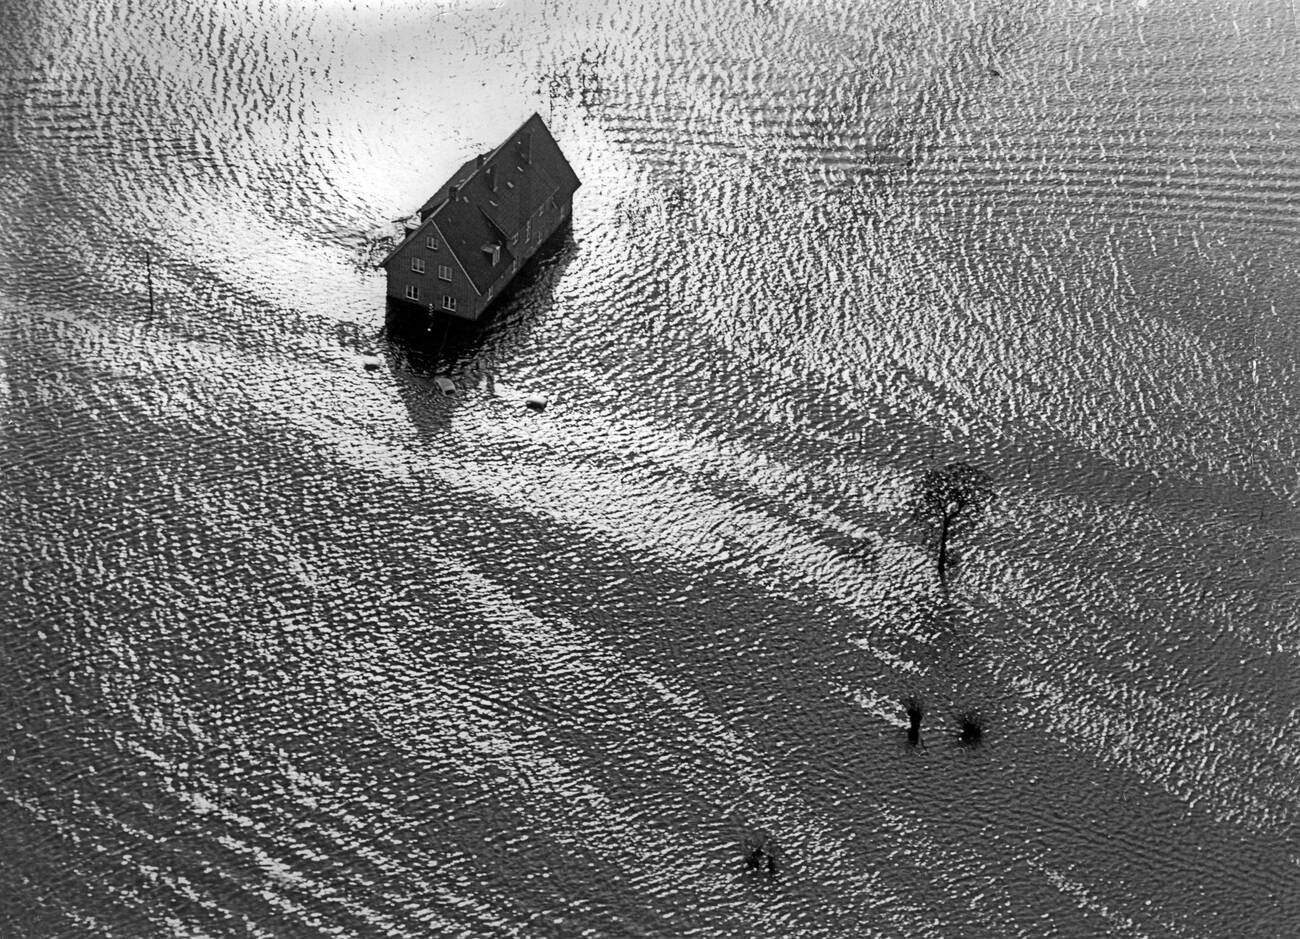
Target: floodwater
point(292, 648)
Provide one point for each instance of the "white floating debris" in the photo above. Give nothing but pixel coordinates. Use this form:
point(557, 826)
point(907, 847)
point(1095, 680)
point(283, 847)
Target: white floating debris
point(371, 363)
point(537, 401)
point(445, 384)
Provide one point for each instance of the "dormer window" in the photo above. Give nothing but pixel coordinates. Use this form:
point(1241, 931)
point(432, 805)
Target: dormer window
point(431, 243)
point(417, 265)
point(493, 252)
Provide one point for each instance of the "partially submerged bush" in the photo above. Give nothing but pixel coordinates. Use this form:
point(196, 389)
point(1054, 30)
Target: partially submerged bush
point(970, 729)
point(915, 711)
point(761, 853)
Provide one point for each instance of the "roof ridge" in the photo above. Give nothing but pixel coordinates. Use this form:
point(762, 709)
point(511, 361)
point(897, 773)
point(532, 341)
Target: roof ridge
point(479, 164)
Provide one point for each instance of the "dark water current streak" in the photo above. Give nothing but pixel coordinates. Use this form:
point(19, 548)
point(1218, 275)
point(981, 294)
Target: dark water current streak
point(295, 649)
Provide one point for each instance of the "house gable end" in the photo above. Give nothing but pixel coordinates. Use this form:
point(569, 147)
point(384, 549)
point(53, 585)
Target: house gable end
point(412, 238)
point(456, 249)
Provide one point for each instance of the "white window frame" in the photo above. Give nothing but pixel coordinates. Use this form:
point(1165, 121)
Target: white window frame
point(444, 272)
point(417, 265)
point(431, 243)
point(412, 292)
point(449, 303)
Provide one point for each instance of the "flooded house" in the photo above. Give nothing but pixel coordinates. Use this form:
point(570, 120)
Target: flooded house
point(469, 240)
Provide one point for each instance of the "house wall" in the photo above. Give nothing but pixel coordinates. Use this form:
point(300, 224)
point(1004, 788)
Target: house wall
point(545, 222)
point(432, 288)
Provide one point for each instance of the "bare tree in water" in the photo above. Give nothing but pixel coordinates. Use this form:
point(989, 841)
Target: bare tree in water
point(946, 502)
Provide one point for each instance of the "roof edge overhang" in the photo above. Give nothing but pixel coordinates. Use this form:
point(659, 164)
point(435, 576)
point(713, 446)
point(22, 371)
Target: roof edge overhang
point(410, 237)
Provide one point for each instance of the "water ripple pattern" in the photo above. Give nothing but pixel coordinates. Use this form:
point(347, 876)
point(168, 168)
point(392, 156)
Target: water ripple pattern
point(293, 648)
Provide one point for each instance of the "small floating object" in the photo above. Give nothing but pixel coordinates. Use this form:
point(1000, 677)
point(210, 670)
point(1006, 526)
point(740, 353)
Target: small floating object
point(445, 384)
point(537, 401)
point(371, 363)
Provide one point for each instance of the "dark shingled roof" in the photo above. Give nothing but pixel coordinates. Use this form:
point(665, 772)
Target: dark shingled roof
point(474, 215)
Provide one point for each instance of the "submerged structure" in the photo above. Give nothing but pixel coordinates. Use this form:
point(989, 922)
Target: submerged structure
point(467, 242)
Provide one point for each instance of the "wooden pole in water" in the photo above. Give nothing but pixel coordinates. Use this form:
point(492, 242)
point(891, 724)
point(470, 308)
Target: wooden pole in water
point(148, 273)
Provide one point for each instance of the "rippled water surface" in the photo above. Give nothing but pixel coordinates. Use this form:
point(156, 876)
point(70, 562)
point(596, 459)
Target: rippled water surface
point(291, 648)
